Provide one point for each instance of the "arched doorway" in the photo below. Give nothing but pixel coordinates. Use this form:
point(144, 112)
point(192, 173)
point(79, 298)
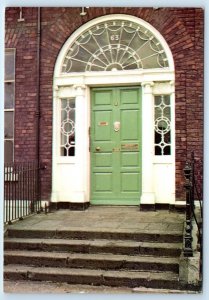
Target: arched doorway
point(115, 73)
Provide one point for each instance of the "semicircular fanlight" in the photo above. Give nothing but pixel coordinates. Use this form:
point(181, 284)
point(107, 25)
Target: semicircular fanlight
point(115, 45)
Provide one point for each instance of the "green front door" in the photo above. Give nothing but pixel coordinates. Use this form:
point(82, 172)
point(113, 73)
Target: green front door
point(115, 145)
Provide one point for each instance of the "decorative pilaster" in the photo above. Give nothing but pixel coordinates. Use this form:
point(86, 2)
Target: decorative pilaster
point(173, 138)
point(148, 196)
point(81, 138)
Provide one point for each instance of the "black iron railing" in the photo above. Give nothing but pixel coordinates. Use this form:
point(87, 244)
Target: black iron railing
point(193, 186)
point(21, 190)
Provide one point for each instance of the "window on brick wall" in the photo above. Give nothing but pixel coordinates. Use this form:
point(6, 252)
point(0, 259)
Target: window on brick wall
point(162, 125)
point(9, 104)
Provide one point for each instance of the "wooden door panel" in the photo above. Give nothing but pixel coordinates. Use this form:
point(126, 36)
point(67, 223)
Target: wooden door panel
point(103, 160)
point(102, 125)
point(103, 97)
point(115, 146)
point(130, 182)
point(129, 96)
point(129, 160)
point(129, 123)
point(103, 182)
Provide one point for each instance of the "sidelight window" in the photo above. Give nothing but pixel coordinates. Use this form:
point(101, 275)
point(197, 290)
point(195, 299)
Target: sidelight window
point(162, 125)
point(67, 127)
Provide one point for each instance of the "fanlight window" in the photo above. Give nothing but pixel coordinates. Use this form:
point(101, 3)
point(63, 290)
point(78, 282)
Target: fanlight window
point(115, 45)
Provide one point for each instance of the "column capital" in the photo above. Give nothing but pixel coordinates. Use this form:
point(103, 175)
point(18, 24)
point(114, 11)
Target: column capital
point(79, 89)
point(147, 85)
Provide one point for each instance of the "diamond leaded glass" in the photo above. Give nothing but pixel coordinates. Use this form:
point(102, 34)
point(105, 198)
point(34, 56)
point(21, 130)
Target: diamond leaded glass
point(115, 45)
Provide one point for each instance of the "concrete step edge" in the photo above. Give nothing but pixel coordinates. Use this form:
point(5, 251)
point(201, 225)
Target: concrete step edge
point(102, 242)
point(106, 256)
point(97, 230)
point(172, 236)
point(92, 261)
point(102, 246)
point(85, 272)
point(92, 276)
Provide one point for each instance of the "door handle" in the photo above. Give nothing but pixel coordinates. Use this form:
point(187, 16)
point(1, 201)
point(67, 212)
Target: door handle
point(97, 149)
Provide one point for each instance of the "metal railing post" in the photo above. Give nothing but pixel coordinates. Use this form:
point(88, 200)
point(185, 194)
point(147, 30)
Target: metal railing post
point(188, 251)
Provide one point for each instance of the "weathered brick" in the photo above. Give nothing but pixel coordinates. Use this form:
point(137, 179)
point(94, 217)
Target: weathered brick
point(183, 30)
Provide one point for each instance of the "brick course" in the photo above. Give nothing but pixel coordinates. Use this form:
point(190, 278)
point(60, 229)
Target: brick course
point(182, 28)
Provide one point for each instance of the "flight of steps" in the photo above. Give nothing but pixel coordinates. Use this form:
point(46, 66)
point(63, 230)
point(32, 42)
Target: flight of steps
point(94, 257)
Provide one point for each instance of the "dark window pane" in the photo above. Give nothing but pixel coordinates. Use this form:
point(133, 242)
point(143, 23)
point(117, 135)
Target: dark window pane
point(167, 112)
point(9, 95)
point(8, 151)
point(158, 150)
point(167, 100)
point(8, 124)
point(10, 65)
point(167, 137)
point(157, 100)
point(167, 150)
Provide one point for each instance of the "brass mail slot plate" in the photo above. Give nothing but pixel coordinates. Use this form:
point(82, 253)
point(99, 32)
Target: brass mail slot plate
point(129, 147)
point(103, 123)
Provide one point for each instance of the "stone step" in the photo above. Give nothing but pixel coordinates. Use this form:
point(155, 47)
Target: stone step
point(142, 235)
point(91, 261)
point(98, 246)
point(44, 287)
point(93, 277)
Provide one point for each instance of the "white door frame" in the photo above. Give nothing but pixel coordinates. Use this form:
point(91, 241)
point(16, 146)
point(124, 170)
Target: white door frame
point(70, 175)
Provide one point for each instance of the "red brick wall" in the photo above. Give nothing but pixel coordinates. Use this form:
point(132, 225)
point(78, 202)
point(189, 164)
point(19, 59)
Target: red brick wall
point(181, 28)
point(22, 36)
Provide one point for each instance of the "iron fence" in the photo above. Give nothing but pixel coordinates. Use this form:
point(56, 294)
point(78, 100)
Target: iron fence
point(193, 173)
point(21, 190)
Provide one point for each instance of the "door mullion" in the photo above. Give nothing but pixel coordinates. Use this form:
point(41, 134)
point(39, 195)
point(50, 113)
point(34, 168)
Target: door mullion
point(117, 134)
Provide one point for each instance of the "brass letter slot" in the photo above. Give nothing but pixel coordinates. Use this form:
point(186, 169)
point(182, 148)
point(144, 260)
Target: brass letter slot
point(129, 146)
point(103, 123)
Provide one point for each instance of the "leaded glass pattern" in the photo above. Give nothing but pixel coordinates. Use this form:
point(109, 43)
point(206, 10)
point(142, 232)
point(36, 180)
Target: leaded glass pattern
point(162, 125)
point(115, 45)
point(67, 127)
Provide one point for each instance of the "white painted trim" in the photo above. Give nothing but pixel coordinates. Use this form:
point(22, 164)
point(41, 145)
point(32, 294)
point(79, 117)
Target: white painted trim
point(131, 77)
point(148, 195)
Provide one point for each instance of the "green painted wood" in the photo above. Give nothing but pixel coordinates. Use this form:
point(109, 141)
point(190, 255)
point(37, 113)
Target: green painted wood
point(116, 154)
